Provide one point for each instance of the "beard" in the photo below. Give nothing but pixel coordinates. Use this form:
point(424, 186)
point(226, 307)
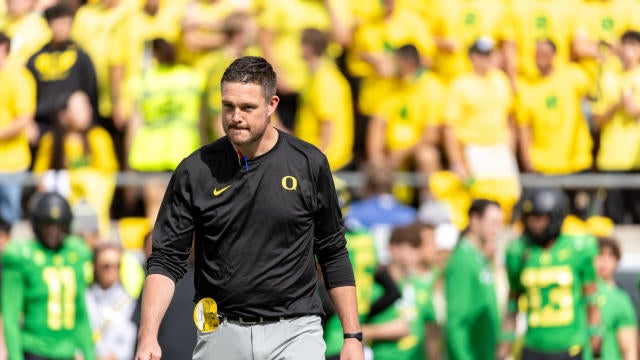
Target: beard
point(237, 135)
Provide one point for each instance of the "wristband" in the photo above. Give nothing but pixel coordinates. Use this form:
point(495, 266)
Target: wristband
point(595, 331)
point(592, 299)
point(512, 306)
point(507, 336)
point(357, 336)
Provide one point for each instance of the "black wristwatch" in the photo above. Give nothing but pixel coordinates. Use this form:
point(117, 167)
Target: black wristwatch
point(357, 335)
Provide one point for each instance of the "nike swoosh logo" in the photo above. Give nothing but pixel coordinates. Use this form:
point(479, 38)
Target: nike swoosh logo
point(217, 192)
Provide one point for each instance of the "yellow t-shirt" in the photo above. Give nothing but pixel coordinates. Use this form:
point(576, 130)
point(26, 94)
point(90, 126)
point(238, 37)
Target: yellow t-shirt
point(327, 98)
point(17, 98)
point(620, 137)
point(478, 108)
point(143, 28)
point(91, 175)
point(102, 33)
point(203, 13)
point(28, 35)
point(606, 21)
point(101, 155)
point(561, 141)
point(534, 20)
point(287, 20)
point(462, 22)
point(415, 105)
point(385, 35)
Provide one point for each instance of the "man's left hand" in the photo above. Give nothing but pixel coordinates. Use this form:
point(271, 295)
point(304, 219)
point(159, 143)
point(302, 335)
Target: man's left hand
point(352, 350)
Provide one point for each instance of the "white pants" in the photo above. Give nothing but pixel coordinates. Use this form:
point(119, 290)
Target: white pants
point(288, 339)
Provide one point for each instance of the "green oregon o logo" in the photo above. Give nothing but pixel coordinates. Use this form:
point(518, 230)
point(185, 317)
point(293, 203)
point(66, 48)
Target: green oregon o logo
point(289, 183)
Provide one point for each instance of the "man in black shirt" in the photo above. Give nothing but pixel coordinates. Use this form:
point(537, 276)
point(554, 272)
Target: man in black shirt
point(60, 67)
point(260, 206)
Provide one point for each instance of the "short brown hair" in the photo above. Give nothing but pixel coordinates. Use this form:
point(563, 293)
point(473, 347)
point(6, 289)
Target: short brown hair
point(252, 70)
point(408, 234)
point(611, 244)
point(316, 39)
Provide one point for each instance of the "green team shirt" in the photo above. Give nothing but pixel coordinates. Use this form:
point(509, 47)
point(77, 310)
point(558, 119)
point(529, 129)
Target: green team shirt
point(552, 281)
point(617, 312)
point(416, 307)
point(472, 310)
point(362, 253)
point(43, 299)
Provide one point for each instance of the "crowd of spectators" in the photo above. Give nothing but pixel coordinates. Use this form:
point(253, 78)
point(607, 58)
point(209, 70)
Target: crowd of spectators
point(480, 90)
point(467, 94)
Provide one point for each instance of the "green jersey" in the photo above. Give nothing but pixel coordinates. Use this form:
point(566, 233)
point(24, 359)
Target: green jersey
point(617, 312)
point(552, 281)
point(43, 299)
point(416, 307)
point(362, 253)
point(472, 310)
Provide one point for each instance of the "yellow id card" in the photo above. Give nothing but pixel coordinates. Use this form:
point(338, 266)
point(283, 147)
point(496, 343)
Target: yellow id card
point(205, 315)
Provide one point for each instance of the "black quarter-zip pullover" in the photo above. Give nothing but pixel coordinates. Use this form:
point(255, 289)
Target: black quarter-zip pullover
point(257, 224)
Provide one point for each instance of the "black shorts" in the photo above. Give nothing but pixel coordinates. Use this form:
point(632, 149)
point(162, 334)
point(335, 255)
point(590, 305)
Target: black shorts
point(29, 356)
point(528, 354)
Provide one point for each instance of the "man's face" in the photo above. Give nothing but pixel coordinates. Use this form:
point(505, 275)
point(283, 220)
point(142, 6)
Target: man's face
point(107, 266)
point(61, 29)
point(20, 7)
point(245, 112)
point(606, 263)
point(544, 56)
point(52, 235)
point(488, 228)
point(429, 249)
point(481, 62)
point(630, 52)
point(537, 223)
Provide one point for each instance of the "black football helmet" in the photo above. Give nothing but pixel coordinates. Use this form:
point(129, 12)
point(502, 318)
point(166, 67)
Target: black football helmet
point(50, 209)
point(550, 202)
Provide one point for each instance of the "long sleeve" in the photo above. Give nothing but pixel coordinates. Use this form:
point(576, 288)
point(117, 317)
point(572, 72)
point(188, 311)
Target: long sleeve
point(83, 333)
point(330, 243)
point(173, 231)
point(12, 305)
point(460, 307)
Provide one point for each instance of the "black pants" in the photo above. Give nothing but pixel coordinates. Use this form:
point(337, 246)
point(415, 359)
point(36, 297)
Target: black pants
point(28, 356)
point(621, 201)
point(528, 354)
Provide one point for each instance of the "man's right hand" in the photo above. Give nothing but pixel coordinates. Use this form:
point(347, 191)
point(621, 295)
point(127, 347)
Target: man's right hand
point(148, 350)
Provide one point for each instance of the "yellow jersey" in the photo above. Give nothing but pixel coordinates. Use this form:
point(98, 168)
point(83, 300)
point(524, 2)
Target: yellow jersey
point(462, 22)
point(17, 98)
point(28, 35)
point(620, 137)
point(91, 174)
point(384, 36)
point(287, 20)
point(534, 20)
point(102, 33)
point(100, 155)
point(415, 105)
point(327, 98)
point(142, 29)
point(478, 108)
point(604, 22)
point(203, 13)
point(550, 106)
